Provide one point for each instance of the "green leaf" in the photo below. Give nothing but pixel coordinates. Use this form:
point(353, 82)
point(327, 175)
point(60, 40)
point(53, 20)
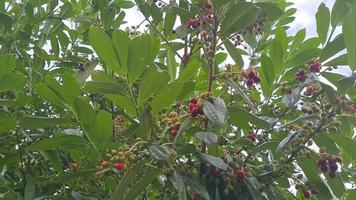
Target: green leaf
point(281, 36)
point(102, 128)
point(46, 92)
point(349, 31)
point(207, 137)
point(313, 175)
point(149, 176)
point(303, 57)
point(85, 113)
point(67, 141)
point(267, 70)
point(167, 96)
point(169, 22)
point(7, 63)
point(121, 44)
point(7, 123)
point(71, 87)
point(146, 123)
point(159, 152)
point(332, 48)
point(102, 87)
point(197, 187)
point(152, 82)
point(33, 122)
point(234, 53)
point(11, 81)
point(345, 84)
point(339, 11)
point(104, 47)
point(215, 112)
point(30, 187)
point(272, 10)
point(322, 22)
point(179, 185)
point(298, 39)
point(171, 64)
point(276, 55)
point(128, 179)
point(253, 187)
point(341, 60)
point(242, 118)
point(347, 144)
point(239, 17)
point(215, 161)
point(139, 52)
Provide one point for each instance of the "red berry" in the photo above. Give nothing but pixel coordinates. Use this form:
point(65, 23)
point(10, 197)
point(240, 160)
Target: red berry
point(240, 175)
point(105, 164)
point(193, 100)
point(323, 168)
point(353, 109)
point(195, 111)
point(310, 90)
point(174, 132)
point(314, 190)
point(314, 65)
point(306, 194)
point(119, 166)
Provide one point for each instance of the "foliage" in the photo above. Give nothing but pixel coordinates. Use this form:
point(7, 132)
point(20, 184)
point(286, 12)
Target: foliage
point(202, 100)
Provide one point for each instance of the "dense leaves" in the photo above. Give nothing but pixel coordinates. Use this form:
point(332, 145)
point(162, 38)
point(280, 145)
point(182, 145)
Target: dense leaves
point(200, 100)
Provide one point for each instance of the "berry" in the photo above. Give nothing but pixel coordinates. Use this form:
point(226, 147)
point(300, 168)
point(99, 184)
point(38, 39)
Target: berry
point(203, 34)
point(174, 132)
point(119, 166)
point(256, 79)
point(333, 167)
point(105, 164)
point(314, 191)
point(191, 106)
point(353, 109)
point(251, 74)
point(249, 83)
point(306, 194)
point(310, 90)
point(324, 168)
point(195, 111)
point(240, 175)
point(193, 100)
point(214, 172)
point(252, 136)
point(300, 75)
point(314, 65)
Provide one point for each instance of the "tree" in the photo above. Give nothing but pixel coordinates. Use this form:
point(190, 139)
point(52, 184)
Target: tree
point(202, 100)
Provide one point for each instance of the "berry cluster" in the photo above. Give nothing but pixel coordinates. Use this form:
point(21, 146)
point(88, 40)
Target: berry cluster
point(121, 158)
point(253, 78)
point(328, 163)
point(307, 193)
point(310, 110)
point(314, 65)
point(195, 107)
point(193, 23)
point(173, 121)
point(307, 190)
